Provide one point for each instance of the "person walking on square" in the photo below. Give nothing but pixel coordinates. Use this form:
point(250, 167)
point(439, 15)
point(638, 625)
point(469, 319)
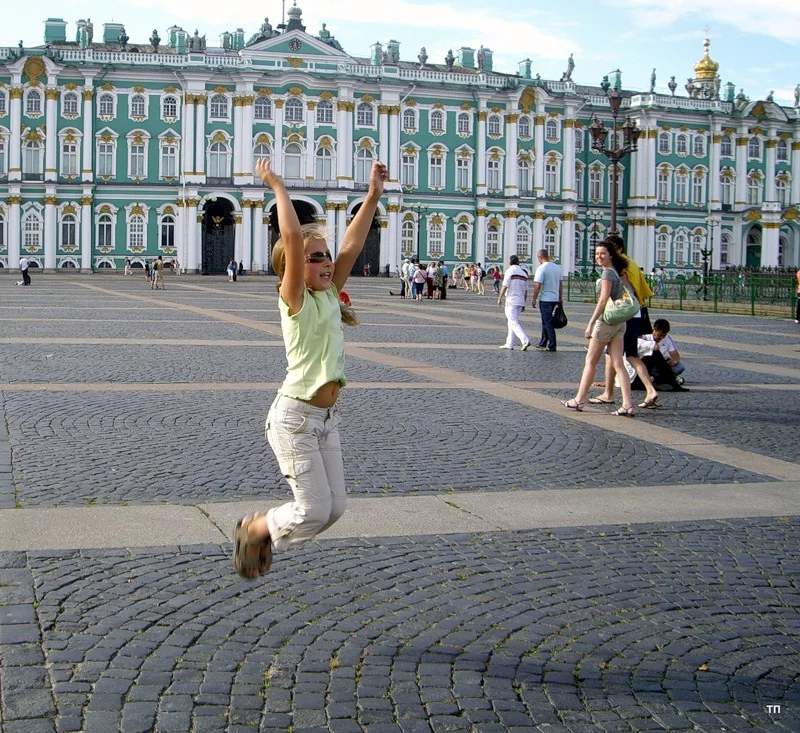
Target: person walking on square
point(157, 277)
point(147, 272)
point(602, 334)
point(303, 422)
point(24, 266)
point(547, 289)
point(797, 307)
point(515, 291)
point(128, 270)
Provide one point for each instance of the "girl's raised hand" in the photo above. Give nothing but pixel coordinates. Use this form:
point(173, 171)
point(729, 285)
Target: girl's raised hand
point(378, 176)
point(267, 175)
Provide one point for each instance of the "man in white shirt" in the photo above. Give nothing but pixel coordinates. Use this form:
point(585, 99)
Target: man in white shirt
point(547, 290)
point(515, 291)
point(23, 267)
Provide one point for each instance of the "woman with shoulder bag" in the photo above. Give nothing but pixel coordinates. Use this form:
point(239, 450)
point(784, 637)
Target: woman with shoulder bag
point(606, 327)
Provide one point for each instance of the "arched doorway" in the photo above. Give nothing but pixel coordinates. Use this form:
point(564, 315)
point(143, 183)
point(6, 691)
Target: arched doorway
point(218, 236)
point(753, 251)
point(372, 248)
point(306, 215)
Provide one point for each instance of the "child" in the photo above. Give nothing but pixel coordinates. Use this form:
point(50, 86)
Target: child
point(302, 425)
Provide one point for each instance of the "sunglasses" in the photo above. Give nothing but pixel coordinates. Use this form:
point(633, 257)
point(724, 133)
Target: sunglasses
point(317, 257)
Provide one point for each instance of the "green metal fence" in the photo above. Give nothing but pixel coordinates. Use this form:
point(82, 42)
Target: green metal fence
point(751, 293)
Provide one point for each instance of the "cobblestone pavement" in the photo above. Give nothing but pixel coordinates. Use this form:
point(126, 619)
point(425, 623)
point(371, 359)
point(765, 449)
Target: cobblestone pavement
point(113, 394)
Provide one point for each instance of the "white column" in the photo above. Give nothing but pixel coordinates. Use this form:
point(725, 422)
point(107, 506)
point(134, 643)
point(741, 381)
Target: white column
point(344, 145)
point(50, 232)
point(568, 242)
point(510, 234)
point(480, 176)
point(87, 170)
point(715, 188)
point(770, 193)
point(188, 136)
point(237, 139)
point(311, 131)
point(51, 141)
point(277, 157)
point(796, 168)
point(248, 164)
point(383, 133)
point(13, 230)
point(394, 150)
point(341, 225)
point(393, 253)
point(15, 143)
point(247, 234)
point(384, 249)
point(741, 167)
point(238, 241)
point(538, 164)
point(200, 136)
point(568, 191)
point(330, 224)
point(538, 233)
point(258, 261)
point(512, 171)
point(86, 234)
point(770, 233)
point(193, 219)
point(480, 234)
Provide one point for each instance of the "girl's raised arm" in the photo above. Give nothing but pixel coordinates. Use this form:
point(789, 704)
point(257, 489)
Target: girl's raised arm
point(293, 282)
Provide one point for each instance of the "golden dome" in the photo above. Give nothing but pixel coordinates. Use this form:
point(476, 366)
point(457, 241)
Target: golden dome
point(705, 68)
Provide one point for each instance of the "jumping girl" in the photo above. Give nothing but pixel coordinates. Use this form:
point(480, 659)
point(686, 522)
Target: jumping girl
point(303, 424)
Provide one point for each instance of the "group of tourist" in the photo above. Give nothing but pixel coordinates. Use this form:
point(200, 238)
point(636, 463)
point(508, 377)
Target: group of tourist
point(418, 280)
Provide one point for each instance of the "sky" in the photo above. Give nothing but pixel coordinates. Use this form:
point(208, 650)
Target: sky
point(756, 44)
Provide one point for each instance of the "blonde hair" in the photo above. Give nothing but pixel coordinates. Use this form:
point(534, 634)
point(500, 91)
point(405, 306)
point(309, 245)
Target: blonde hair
point(309, 232)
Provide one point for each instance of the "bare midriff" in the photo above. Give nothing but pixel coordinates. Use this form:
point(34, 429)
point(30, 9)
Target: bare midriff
point(326, 395)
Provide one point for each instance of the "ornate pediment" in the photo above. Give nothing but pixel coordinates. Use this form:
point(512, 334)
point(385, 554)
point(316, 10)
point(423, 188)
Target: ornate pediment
point(296, 44)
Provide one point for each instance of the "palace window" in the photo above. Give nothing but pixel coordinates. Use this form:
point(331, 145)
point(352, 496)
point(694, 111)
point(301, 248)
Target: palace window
point(293, 111)
point(681, 187)
point(437, 121)
point(724, 249)
point(551, 131)
point(218, 159)
point(754, 190)
point(577, 244)
point(551, 178)
point(323, 164)
point(292, 161)
point(105, 158)
point(580, 178)
point(462, 241)
point(698, 188)
point(679, 253)
point(69, 158)
point(524, 175)
point(408, 237)
point(578, 140)
point(726, 188)
point(408, 168)
point(365, 115)
point(697, 245)
point(435, 241)
point(31, 232)
point(620, 179)
point(32, 158)
point(782, 191)
point(2, 232)
point(33, 102)
point(2, 156)
point(664, 146)
point(105, 231)
point(524, 126)
point(492, 242)
point(699, 146)
point(261, 152)
point(664, 181)
point(595, 184)
point(364, 159)
point(682, 144)
point(409, 120)
point(218, 107)
point(550, 238)
point(105, 105)
point(464, 123)
point(69, 233)
point(493, 182)
point(463, 173)
point(137, 160)
point(169, 161)
point(782, 151)
point(726, 146)
point(523, 241)
point(136, 233)
point(493, 126)
point(754, 148)
point(2, 103)
point(325, 112)
point(436, 172)
point(138, 106)
point(662, 248)
point(169, 108)
point(69, 104)
point(262, 108)
point(167, 238)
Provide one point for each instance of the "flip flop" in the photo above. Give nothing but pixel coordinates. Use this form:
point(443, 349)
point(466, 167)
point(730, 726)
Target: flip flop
point(244, 559)
point(600, 401)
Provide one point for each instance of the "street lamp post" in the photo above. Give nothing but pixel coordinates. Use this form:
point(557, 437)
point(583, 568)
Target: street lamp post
point(707, 253)
point(615, 153)
point(420, 210)
point(595, 215)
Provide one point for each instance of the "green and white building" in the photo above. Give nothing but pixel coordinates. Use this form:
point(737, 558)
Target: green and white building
point(112, 150)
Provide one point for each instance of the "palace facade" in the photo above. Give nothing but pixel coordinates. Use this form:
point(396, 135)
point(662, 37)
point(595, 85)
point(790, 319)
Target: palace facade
point(112, 150)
